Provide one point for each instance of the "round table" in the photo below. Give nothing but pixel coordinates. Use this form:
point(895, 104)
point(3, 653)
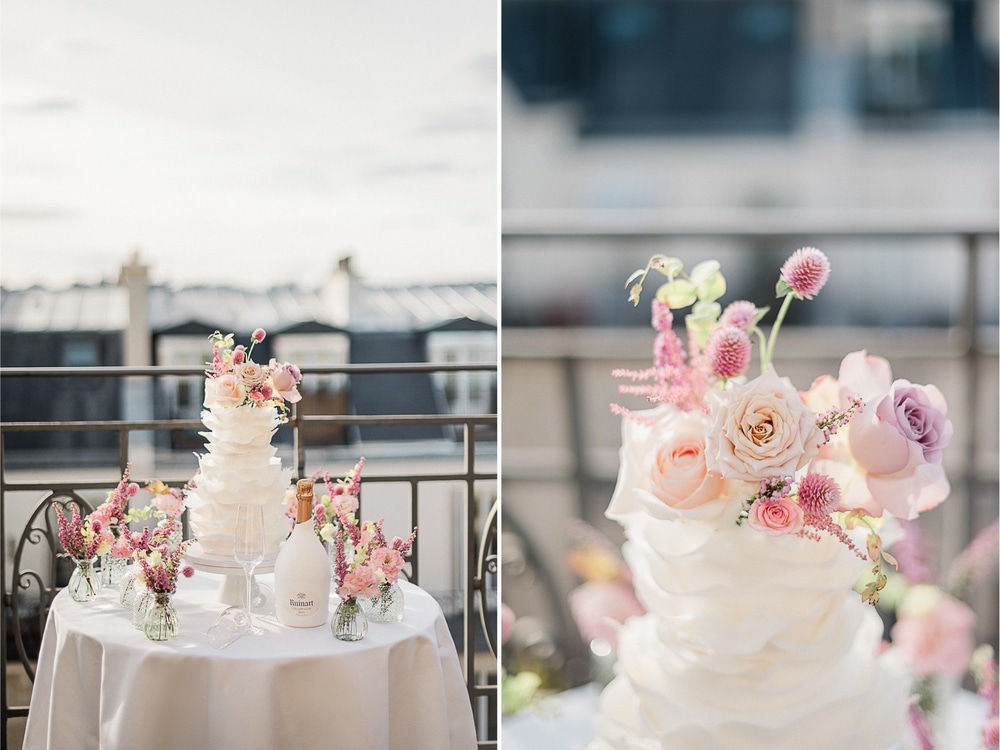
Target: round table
point(101, 683)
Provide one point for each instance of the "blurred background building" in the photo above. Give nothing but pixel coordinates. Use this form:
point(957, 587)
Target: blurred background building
point(737, 130)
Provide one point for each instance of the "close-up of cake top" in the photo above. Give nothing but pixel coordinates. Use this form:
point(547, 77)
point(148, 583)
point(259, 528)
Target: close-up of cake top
point(842, 455)
point(235, 380)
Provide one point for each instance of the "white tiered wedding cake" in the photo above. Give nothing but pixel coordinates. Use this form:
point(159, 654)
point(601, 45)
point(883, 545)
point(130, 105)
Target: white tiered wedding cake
point(750, 511)
point(244, 405)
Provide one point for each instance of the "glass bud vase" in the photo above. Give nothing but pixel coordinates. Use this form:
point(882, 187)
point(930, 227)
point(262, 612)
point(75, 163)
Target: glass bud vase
point(349, 622)
point(85, 582)
point(161, 623)
point(140, 606)
point(112, 570)
point(387, 606)
point(127, 590)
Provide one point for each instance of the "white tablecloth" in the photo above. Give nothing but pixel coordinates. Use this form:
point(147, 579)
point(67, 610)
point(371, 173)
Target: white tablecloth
point(102, 684)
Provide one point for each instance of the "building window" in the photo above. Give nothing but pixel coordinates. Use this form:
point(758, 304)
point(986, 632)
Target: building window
point(81, 353)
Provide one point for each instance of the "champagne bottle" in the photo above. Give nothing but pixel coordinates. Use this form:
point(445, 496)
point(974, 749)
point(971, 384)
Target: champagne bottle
point(302, 570)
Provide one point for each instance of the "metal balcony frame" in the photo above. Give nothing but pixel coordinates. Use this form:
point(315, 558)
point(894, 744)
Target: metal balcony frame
point(480, 551)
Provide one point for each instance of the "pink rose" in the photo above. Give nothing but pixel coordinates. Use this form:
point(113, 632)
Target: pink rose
point(663, 452)
point(889, 457)
point(761, 429)
point(225, 390)
point(171, 503)
point(389, 561)
point(934, 631)
point(361, 581)
point(285, 379)
point(776, 517)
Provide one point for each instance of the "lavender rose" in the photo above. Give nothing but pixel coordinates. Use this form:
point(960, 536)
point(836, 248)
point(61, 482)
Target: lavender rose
point(760, 430)
point(285, 379)
point(663, 453)
point(890, 454)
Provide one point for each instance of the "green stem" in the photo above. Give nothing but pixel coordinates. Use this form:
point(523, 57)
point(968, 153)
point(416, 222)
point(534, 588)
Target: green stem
point(768, 353)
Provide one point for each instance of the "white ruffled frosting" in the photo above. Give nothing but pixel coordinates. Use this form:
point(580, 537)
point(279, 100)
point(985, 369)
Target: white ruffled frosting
point(239, 467)
point(750, 641)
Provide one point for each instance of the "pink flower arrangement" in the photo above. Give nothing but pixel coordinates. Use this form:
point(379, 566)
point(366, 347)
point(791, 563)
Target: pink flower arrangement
point(373, 561)
point(83, 538)
point(605, 598)
point(934, 630)
point(236, 380)
point(158, 565)
point(811, 464)
point(113, 511)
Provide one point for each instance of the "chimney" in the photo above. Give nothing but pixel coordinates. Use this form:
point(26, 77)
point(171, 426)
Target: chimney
point(336, 294)
point(137, 342)
point(137, 392)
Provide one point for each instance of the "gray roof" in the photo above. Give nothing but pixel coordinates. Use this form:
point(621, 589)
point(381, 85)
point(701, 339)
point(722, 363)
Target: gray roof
point(104, 307)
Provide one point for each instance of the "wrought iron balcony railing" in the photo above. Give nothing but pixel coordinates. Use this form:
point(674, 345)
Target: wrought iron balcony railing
point(473, 470)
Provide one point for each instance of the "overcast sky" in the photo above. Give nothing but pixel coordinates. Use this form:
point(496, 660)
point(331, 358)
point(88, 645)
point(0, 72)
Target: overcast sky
point(248, 142)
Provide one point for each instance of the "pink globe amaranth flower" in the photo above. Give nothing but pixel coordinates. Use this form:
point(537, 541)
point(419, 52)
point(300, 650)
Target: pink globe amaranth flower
point(729, 352)
point(819, 495)
point(187, 571)
point(258, 335)
point(935, 632)
point(239, 355)
point(776, 517)
point(806, 272)
point(740, 314)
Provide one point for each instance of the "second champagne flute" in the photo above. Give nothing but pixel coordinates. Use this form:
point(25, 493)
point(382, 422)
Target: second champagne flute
point(248, 549)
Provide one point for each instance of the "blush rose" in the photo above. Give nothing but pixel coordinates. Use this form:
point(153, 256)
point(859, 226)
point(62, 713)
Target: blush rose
point(761, 429)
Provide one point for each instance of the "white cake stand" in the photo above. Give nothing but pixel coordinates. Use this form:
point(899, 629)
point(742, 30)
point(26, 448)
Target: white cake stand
point(233, 587)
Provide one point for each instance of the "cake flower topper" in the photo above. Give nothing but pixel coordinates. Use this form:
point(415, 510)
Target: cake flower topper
point(838, 457)
point(234, 379)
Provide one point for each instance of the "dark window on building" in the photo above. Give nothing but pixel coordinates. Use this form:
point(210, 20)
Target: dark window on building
point(641, 66)
point(81, 353)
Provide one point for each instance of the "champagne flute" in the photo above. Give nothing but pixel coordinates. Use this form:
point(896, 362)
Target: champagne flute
point(248, 549)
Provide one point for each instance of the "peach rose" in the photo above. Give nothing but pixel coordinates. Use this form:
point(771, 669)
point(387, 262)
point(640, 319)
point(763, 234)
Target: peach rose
point(761, 429)
point(776, 517)
point(663, 453)
point(225, 390)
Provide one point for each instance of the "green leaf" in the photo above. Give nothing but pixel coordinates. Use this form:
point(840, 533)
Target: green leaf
point(635, 275)
point(677, 294)
point(782, 289)
point(708, 280)
point(759, 316)
point(669, 267)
